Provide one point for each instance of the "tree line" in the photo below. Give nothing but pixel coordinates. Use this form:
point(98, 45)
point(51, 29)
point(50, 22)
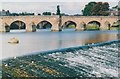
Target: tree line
point(96, 9)
point(21, 14)
point(91, 9)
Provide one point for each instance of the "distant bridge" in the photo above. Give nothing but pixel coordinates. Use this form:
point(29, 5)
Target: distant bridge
point(56, 22)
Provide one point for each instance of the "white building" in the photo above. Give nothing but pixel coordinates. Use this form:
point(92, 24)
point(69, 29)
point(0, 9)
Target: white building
point(4, 13)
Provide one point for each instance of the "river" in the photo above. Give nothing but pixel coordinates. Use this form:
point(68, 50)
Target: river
point(45, 40)
point(60, 54)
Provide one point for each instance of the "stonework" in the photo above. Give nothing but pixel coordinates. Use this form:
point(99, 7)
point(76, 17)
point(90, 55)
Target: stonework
point(32, 21)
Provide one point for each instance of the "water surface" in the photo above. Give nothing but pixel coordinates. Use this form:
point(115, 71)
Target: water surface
point(96, 60)
point(45, 40)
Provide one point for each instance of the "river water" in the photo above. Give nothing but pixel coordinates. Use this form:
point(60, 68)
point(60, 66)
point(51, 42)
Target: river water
point(44, 40)
point(60, 54)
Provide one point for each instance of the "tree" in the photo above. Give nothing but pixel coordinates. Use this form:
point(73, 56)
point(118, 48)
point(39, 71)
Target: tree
point(88, 8)
point(8, 12)
point(39, 14)
point(100, 9)
point(96, 9)
point(46, 13)
point(105, 8)
point(58, 10)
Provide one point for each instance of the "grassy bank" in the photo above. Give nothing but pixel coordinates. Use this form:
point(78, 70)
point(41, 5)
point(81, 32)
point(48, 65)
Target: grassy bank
point(115, 28)
point(71, 26)
point(92, 27)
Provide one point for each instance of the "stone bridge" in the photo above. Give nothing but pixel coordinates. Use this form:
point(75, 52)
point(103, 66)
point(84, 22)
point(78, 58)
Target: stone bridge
point(57, 22)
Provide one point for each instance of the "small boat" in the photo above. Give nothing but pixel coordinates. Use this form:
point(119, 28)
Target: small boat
point(13, 41)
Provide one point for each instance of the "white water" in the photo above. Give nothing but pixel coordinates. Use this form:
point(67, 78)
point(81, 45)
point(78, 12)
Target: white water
point(99, 61)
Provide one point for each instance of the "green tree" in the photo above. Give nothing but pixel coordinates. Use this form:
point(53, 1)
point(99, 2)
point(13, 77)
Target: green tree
point(58, 10)
point(105, 9)
point(88, 8)
point(96, 9)
point(46, 13)
point(100, 9)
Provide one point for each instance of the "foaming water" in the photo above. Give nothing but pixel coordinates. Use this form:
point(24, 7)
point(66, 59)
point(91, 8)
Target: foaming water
point(100, 61)
point(96, 60)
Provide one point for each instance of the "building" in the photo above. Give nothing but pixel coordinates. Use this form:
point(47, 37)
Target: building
point(4, 13)
point(114, 11)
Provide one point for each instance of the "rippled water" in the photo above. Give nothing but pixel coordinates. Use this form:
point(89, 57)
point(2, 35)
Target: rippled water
point(94, 60)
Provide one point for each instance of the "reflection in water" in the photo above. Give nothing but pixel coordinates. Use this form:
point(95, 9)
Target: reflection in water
point(101, 38)
point(44, 40)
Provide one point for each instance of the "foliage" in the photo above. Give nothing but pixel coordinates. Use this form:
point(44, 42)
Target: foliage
point(115, 28)
point(96, 9)
point(116, 7)
point(88, 8)
point(46, 13)
point(39, 14)
point(58, 10)
point(116, 24)
point(71, 26)
point(21, 14)
point(92, 27)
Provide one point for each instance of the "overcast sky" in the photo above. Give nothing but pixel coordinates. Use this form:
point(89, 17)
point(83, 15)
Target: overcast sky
point(39, 6)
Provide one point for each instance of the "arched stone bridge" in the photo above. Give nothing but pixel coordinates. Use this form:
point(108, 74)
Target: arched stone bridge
point(56, 22)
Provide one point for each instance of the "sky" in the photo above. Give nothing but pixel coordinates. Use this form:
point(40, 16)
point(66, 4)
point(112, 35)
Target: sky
point(40, 6)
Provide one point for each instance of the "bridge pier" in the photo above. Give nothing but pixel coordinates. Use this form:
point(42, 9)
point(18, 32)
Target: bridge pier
point(5, 27)
point(31, 27)
point(104, 26)
point(80, 27)
point(56, 27)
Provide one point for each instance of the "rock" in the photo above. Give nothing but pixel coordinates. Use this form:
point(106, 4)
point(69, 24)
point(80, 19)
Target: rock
point(6, 65)
point(32, 61)
point(13, 41)
point(15, 57)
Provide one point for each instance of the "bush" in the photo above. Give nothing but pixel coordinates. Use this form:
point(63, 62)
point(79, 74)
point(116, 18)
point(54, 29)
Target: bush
point(71, 26)
point(92, 27)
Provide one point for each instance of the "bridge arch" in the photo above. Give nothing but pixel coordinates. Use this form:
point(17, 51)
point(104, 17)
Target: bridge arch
point(7, 27)
point(44, 25)
point(18, 24)
point(116, 24)
point(83, 25)
point(118, 21)
point(93, 25)
point(69, 24)
point(94, 22)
